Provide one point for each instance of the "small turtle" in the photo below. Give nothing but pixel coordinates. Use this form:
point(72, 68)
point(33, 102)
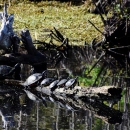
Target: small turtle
point(71, 83)
point(47, 81)
point(62, 83)
point(34, 79)
point(53, 85)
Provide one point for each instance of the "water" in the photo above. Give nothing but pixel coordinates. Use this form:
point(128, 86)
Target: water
point(18, 112)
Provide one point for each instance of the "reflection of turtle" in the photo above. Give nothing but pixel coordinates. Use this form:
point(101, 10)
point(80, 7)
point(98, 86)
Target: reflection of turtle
point(47, 81)
point(34, 79)
point(71, 83)
point(7, 71)
point(53, 85)
point(34, 97)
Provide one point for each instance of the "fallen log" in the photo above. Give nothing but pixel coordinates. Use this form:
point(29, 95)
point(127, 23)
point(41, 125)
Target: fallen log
point(100, 93)
point(91, 91)
point(88, 100)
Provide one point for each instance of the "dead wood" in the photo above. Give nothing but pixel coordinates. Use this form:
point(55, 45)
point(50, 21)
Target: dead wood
point(6, 31)
point(10, 42)
point(91, 91)
point(101, 93)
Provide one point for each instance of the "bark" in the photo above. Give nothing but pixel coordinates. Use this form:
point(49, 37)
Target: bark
point(10, 42)
point(6, 31)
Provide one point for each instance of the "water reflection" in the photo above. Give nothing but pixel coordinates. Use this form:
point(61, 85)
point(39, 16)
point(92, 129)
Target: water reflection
point(19, 112)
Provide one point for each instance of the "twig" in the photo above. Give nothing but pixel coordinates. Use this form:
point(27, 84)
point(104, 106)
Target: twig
point(96, 27)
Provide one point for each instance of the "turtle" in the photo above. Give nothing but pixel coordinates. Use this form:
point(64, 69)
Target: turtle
point(34, 79)
point(53, 85)
point(71, 83)
point(62, 83)
point(47, 81)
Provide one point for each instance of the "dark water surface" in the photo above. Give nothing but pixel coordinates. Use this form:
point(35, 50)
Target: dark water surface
point(30, 115)
point(18, 112)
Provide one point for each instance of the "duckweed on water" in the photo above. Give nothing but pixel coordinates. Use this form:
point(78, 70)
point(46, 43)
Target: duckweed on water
point(70, 20)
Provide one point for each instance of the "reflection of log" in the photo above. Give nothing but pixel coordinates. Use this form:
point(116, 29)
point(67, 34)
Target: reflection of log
point(100, 110)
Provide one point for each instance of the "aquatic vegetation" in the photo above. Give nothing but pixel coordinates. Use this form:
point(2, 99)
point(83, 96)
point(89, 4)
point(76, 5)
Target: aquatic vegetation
point(71, 20)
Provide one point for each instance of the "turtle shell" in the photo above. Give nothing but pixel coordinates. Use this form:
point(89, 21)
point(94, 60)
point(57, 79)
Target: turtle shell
point(62, 82)
point(71, 83)
point(53, 85)
point(47, 81)
point(34, 79)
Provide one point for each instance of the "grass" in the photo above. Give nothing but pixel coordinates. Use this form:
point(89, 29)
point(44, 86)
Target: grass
point(70, 20)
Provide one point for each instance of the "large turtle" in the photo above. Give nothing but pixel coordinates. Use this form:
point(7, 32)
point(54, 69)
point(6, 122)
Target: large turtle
point(35, 79)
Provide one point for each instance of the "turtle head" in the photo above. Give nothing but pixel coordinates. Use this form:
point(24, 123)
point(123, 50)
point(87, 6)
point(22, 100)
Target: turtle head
point(44, 73)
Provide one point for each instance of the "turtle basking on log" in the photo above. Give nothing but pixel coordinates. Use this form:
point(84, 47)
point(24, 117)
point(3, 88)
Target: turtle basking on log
point(54, 85)
point(35, 79)
point(70, 84)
